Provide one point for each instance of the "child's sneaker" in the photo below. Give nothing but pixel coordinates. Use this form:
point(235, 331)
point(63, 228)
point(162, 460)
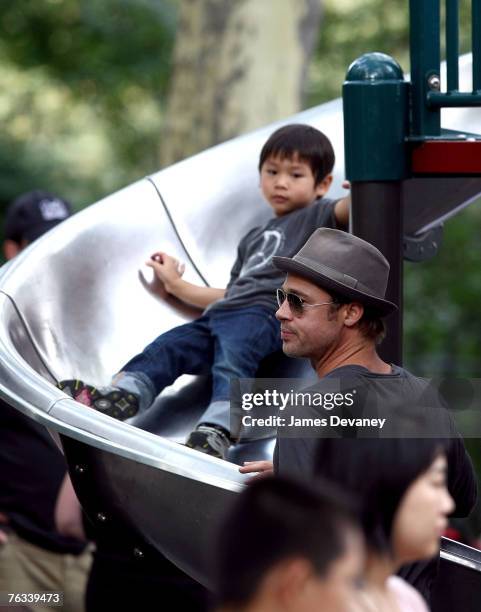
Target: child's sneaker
point(113, 401)
point(209, 439)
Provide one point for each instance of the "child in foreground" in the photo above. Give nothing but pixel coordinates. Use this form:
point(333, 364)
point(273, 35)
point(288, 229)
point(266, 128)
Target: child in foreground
point(237, 329)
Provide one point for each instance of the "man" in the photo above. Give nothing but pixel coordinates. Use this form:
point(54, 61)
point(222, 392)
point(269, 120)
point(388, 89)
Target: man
point(331, 309)
point(284, 546)
point(34, 556)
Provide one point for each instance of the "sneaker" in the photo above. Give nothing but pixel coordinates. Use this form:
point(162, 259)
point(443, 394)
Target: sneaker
point(209, 439)
point(112, 401)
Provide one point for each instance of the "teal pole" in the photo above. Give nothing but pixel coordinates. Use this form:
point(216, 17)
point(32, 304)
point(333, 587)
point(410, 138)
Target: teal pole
point(452, 44)
point(425, 65)
point(476, 44)
point(376, 119)
point(376, 124)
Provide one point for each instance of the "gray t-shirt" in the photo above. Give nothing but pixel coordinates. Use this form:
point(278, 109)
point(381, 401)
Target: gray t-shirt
point(254, 278)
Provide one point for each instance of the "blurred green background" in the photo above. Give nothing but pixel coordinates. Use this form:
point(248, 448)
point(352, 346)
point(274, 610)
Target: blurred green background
point(82, 105)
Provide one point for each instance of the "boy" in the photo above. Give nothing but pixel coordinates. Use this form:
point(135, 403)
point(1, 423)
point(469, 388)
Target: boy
point(284, 546)
point(237, 328)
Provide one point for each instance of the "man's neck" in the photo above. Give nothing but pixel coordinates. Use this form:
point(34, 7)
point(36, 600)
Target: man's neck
point(356, 351)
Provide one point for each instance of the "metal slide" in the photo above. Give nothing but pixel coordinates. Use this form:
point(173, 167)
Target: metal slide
point(79, 302)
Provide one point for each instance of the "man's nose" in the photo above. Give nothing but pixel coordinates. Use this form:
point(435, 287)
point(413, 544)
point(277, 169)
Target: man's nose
point(284, 313)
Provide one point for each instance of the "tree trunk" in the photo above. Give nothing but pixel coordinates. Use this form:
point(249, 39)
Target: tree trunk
point(238, 64)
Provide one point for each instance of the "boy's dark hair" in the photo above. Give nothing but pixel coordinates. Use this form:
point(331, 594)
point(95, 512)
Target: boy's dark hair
point(311, 145)
point(272, 520)
point(377, 472)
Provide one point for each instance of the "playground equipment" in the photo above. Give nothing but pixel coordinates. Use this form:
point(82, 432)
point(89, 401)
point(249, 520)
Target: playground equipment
point(75, 302)
point(395, 147)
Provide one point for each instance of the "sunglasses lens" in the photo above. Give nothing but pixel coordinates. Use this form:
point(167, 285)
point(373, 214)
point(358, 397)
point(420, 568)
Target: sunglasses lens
point(294, 301)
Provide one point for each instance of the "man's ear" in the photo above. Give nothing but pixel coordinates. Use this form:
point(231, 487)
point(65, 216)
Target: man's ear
point(323, 186)
point(353, 313)
point(10, 249)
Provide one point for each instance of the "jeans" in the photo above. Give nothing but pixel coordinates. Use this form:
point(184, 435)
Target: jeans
point(225, 343)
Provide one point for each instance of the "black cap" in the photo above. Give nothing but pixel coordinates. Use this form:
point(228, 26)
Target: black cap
point(34, 213)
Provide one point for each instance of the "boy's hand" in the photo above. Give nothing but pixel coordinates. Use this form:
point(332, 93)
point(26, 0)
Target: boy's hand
point(260, 468)
point(166, 268)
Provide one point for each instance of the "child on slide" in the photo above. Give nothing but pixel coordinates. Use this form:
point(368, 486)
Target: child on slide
point(237, 328)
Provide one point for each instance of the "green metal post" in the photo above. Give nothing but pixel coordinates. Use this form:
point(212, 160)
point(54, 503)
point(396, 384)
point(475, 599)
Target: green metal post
point(375, 101)
point(376, 124)
point(452, 44)
point(476, 38)
point(425, 63)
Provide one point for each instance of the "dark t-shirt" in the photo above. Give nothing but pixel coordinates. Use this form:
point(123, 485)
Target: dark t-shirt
point(32, 469)
point(254, 278)
point(401, 393)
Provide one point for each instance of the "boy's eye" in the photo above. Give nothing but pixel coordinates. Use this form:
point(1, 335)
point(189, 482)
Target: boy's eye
point(297, 174)
point(271, 171)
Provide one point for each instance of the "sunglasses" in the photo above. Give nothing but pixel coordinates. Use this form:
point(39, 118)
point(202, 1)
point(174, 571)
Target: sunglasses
point(296, 303)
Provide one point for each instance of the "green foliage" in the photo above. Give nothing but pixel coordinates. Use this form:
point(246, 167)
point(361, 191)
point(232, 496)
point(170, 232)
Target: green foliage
point(441, 317)
point(83, 87)
point(351, 28)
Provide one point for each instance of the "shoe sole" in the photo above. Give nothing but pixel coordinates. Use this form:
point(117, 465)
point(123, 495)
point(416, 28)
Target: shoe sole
point(117, 404)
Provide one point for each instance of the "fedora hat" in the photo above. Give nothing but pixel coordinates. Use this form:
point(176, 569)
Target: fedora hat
point(345, 264)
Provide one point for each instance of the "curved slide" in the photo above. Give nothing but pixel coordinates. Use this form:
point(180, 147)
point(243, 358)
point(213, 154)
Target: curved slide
point(79, 302)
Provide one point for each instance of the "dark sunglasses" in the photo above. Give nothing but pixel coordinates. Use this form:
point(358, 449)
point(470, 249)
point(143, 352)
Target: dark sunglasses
point(296, 303)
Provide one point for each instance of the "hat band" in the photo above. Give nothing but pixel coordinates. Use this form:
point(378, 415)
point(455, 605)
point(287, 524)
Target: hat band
point(335, 275)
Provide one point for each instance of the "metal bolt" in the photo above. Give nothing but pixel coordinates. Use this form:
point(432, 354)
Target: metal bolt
point(138, 554)
point(101, 517)
point(434, 82)
point(79, 469)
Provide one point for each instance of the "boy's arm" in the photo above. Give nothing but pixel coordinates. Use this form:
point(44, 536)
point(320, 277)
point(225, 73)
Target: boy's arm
point(341, 211)
point(167, 270)
point(342, 208)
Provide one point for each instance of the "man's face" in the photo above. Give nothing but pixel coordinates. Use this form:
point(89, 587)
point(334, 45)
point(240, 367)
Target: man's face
point(315, 332)
point(288, 184)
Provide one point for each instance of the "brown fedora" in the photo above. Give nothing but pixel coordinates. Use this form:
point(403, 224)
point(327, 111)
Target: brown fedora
point(345, 264)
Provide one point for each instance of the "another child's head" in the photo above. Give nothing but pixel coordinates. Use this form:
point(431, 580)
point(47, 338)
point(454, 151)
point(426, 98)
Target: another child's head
point(400, 485)
point(286, 546)
point(295, 167)
point(29, 216)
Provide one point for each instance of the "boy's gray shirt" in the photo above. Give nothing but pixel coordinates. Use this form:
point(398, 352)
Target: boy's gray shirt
point(254, 278)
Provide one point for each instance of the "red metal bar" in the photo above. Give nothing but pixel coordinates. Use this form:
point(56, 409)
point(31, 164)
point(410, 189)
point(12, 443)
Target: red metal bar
point(447, 157)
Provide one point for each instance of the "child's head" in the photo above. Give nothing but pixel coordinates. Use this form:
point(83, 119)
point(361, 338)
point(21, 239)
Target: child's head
point(286, 546)
point(295, 167)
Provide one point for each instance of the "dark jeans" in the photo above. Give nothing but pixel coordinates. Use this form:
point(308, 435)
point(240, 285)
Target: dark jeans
point(226, 343)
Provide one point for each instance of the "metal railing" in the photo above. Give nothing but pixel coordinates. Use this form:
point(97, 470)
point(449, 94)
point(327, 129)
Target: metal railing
point(427, 97)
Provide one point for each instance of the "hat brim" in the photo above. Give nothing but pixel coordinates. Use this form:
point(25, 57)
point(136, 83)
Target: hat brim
point(381, 306)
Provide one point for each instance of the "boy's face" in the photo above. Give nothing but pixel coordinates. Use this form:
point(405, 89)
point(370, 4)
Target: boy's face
point(288, 184)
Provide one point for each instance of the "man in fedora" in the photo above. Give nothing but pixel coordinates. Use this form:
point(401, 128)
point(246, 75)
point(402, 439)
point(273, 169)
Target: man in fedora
point(331, 308)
